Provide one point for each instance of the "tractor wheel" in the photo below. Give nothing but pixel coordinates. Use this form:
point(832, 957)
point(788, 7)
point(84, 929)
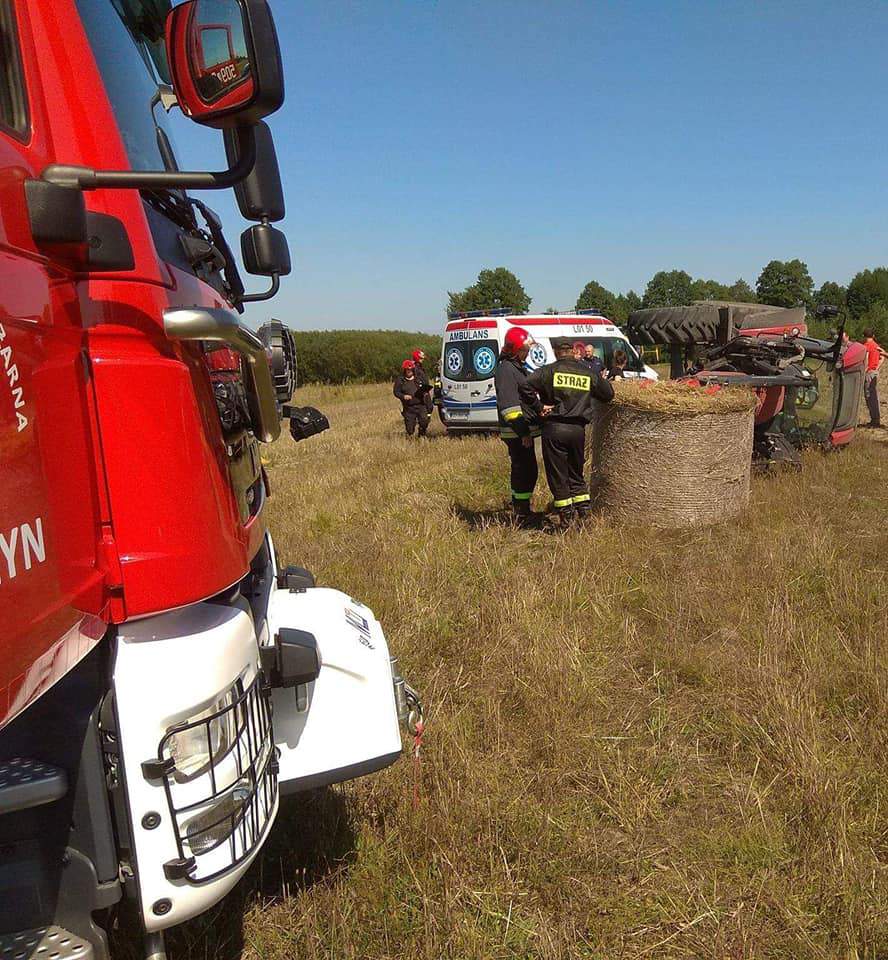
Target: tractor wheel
point(669, 325)
point(700, 322)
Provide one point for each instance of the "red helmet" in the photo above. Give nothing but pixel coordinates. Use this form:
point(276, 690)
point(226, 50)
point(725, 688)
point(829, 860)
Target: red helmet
point(418, 356)
point(515, 339)
point(408, 365)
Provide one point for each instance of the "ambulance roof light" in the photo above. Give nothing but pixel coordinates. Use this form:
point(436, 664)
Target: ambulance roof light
point(590, 312)
point(471, 314)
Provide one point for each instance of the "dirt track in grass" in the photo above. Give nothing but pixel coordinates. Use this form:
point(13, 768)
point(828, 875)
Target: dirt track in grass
point(640, 744)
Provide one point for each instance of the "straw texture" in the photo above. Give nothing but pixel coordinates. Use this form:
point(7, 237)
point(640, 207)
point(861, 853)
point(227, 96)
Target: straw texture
point(672, 455)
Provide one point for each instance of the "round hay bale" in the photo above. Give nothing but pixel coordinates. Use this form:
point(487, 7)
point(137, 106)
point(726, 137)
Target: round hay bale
point(672, 454)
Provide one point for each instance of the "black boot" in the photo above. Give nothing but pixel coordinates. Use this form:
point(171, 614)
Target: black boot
point(522, 515)
point(560, 519)
point(582, 515)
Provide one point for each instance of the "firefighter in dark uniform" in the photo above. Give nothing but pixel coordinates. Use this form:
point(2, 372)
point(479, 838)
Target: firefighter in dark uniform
point(518, 419)
point(569, 387)
point(424, 379)
point(408, 390)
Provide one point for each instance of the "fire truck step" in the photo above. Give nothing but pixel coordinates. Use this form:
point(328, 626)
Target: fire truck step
point(44, 943)
point(28, 783)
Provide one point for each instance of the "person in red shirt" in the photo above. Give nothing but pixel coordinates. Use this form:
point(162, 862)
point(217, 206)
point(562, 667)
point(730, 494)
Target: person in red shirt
point(875, 356)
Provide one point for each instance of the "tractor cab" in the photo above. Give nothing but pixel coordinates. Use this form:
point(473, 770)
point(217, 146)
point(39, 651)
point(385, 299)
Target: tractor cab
point(823, 409)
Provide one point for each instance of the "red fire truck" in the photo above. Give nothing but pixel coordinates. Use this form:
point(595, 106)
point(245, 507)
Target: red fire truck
point(163, 679)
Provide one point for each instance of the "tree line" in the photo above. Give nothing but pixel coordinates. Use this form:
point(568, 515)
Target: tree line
point(784, 283)
point(371, 356)
point(359, 356)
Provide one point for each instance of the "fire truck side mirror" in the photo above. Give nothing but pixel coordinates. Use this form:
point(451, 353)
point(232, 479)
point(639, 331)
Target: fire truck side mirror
point(265, 251)
point(225, 63)
point(266, 254)
point(260, 196)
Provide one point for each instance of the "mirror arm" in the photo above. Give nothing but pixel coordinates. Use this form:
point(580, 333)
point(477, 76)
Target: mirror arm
point(269, 293)
point(85, 178)
point(840, 338)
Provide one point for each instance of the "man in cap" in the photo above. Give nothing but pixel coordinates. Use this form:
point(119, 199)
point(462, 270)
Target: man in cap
point(569, 387)
point(408, 390)
point(424, 379)
point(518, 419)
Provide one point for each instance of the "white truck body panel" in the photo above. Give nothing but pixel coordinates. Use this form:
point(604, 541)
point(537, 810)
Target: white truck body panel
point(349, 724)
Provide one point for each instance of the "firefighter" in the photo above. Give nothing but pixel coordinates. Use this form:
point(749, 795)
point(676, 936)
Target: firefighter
point(568, 387)
point(423, 378)
point(518, 419)
point(408, 390)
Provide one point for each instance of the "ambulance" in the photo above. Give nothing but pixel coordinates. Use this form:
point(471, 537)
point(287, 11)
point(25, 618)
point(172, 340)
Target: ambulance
point(472, 344)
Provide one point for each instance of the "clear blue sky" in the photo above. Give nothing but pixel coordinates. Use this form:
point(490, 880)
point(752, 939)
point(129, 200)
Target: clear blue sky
point(422, 141)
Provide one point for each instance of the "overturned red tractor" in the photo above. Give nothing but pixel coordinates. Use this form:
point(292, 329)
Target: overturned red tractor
point(808, 389)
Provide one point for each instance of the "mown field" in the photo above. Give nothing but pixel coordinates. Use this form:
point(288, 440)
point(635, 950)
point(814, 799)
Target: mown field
point(639, 744)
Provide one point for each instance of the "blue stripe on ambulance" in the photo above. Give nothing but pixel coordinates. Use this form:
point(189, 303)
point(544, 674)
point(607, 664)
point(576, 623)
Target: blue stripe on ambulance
point(461, 405)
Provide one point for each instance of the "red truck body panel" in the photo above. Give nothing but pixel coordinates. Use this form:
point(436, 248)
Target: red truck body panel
point(115, 499)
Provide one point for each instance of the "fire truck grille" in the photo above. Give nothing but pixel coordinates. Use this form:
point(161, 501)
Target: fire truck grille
point(237, 786)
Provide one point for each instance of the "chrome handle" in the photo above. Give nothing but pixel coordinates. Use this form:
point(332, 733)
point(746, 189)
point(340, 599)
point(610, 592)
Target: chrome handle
point(218, 324)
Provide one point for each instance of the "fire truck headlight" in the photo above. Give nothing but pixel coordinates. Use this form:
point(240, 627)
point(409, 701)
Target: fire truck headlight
point(204, 738)
point(215, 825)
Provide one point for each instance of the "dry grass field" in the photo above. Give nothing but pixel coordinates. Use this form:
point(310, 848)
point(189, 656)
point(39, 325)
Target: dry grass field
point(640, 744)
